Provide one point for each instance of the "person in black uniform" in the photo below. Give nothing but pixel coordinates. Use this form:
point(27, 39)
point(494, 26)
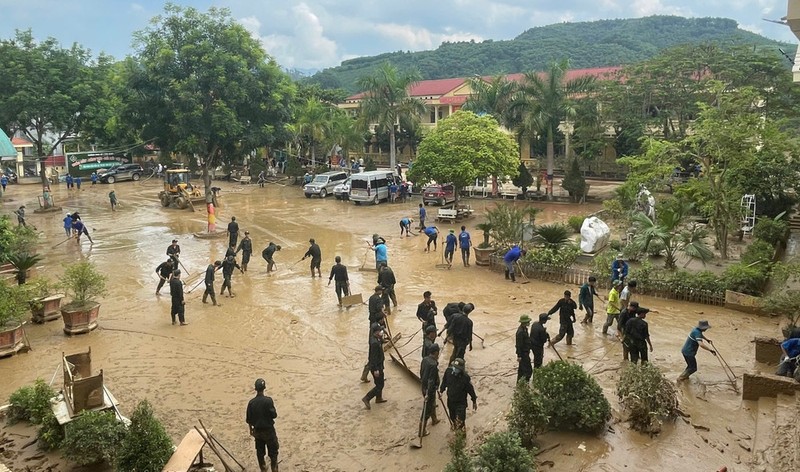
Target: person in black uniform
point(458, 385)
point(375, 366)
point(260, 418)
point(231, 251)
point(387, 280)
point(268, 253)
point(452, 308)
point(426, 311)
point(637, 335)
point(164, 271)
point(173, 251)
point(539, 337)
point(429, 375)
point(233, 232)
point(375, 304)
point(246, 246)
point(315, 253)
point(176, 293)
point(566, 317)
point(227, 274)
point(209, 281)
point(523, 346)
point(429, 340)
point(461, 330)
point(339, 275)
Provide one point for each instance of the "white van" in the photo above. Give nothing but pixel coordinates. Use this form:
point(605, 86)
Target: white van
point(371, 186)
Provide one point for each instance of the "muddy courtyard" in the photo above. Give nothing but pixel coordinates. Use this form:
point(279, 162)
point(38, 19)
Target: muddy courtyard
point(288, 329)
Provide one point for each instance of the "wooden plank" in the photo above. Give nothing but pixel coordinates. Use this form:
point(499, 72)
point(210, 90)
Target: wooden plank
point(351, 300)
point(186, 453)
point(405, 368)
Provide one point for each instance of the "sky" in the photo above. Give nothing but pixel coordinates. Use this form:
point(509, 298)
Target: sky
point(314, 34)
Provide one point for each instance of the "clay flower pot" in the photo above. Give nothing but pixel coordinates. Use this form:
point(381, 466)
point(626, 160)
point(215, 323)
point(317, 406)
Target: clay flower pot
point(482, 255)
point(46, 308)
point(12, 339)
point(80, 318)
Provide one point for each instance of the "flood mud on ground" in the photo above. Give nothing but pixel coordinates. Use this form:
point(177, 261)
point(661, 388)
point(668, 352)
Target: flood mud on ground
point(288, 329)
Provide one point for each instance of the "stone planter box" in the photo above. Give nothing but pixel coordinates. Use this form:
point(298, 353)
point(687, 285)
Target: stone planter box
point(743, 302)
point(482, 256)
point(81, 319)
point(768, 350)
point(46, 309)
point(12, 339)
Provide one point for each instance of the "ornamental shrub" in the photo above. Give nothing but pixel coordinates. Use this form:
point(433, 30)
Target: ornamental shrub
point(575, 222)
point(758, 251)
point(527, 418)
point(571, 397)
point(51, 433)
point(772, 231)
point(460, 460)
point(31, 403)
point(749, 280)
point(562, 257)
point(93, 437)
point(502, 452)
point(647, 396)
point(146, 447)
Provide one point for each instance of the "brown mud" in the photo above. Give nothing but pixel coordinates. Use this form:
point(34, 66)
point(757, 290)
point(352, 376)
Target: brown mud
point(288, 329)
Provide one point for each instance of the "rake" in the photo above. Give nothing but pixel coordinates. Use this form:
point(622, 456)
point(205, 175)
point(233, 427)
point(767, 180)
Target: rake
point(527, 280)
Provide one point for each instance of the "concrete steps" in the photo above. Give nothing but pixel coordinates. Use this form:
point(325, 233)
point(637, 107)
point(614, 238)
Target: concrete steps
point(776, 440)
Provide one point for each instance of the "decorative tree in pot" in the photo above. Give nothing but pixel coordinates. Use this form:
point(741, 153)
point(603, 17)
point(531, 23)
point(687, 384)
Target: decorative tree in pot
point(13, 309)
point(483, 250)
point(83, 283)
point(45, 300)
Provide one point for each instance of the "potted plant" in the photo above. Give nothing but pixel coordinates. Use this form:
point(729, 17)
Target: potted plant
point(83, 283)
point(23, 262)
point(45, 301)
point(483, 251)
point(786, 304)
point(13, 309)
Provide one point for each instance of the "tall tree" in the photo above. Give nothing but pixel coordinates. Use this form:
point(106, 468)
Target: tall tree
point(547, 100)
point(386, 101)
point(47, 91)
point(205, 87)
point(313, 121)
point(493, 97)
point(343, 131)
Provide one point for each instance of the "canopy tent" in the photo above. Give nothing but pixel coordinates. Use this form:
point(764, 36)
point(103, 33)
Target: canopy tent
point(6, 148)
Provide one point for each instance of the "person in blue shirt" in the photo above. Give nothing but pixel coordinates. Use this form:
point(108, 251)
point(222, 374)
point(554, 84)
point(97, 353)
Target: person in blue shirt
point(696, 339)
point(619, 269)
point(393, 192)
point(68, 180)
point(381, 253)
point(433, 235)
point(4, 182)
point(450, 247)
point(422, 214)
point(78, 182)
point(464, 241)
point(791, 351)
point(68, 225)
point(405, 226)
point(94, 178)
point(511, 257)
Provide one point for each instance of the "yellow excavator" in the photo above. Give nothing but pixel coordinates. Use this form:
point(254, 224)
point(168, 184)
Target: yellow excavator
point(179, 192)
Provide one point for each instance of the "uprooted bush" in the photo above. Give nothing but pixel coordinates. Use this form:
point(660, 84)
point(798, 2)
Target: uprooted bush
point(527, 417)
point(571, 397)
point(503, 452)
point(31, 403)
point(647, 396)
point(146, 446)
point(93, 437)
point(51, 433)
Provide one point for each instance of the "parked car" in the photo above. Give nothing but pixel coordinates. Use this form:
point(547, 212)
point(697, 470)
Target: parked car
point(323, 184)
point(342, 191)
point(122, 172)
point(439, 194)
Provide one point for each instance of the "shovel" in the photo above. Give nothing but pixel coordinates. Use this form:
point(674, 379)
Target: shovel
point(479, 337)
point(421, 424)
point(526, 281)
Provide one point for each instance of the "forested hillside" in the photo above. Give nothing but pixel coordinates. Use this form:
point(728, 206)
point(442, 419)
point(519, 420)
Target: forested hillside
point(586, 44)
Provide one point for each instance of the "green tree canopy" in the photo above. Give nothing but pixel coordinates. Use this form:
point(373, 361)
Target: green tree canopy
point(462, 148)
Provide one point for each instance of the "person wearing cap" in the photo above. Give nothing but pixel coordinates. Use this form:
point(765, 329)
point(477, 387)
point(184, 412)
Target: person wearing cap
point(429, 340)
point(429, 377)
point(227, 274)
point(260, 417)
point(233, 232)
point(375, 365)
point(566, 317)
point(68, 225)
point(176, 294)
point(619, 268)
point(339, 274)
point(539, 336)
point(387, 280)
point(315, 253)
point(432, 232)
point(381, 251)
point(164, 271)
point(464, 242)
point(450, 310)
point(246, 248)
point(268, 253)
point(612, 306)
point(586, 299)
point(458, 385)
point(636, 335)
point(510, 258)
point(173, 251)
point(450, 243)
point(523, 347)
point(231, 251)
point(426, 311)
point(405, 226)
point(695, 340)
point(375, 305)
point(209, 281)
point(461, 331)
point(20, 212)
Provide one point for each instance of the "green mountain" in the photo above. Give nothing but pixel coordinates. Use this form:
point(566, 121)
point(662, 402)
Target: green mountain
point(586, 44)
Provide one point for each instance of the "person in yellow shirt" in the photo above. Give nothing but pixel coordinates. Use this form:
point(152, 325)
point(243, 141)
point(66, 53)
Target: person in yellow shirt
point(612, 307)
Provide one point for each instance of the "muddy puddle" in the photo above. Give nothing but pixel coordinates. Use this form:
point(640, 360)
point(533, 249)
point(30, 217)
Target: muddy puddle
point(288, 329)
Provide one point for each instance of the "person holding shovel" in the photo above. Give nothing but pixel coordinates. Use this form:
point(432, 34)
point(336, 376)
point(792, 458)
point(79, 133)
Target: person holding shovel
point(387, 280)
point(458, 385)
point(429, 375)
point(164, 271)
point(405, 226)
point(209, 282)
point(268, 254)
point(112, 197)
point(20, 216)
point(227, 274)
point(566, 317)
point(315, 253)
point(539, 336)
point(376, 358)
point(339, 274)
point(523, 347)
point(80, 229)
point(432, 232)
point(696, 339)
point(246, 247)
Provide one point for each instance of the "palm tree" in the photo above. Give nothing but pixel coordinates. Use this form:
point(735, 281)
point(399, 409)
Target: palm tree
point(312, 121)
point(666, 231)
point(493, 97)
point(544, 102)
point(386, 101)
point(23, 262)
point(343, 131)
point(552, 236)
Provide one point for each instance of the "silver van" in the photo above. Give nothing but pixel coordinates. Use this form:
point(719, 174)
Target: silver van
point(371, 186)
point(323, 184)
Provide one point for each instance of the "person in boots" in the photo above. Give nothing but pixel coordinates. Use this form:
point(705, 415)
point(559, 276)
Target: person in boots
point(566, 317)
point(233, 232)
point(612, 306)
point(464, 242)
point(387, 280)
point(227, 274)
point(586, 299)
point(209, 281)
point(539, 336)
point(461, 331)
point(315, 253)
point(636, 335)
point(511, 258)
point(375, 366)
point(523, 347)
point(246, 247)
point(176, 294)
point(695, 340)
point(268, 253)
point(429, 375)
point(426, 311)
point(458, 385)
point(429, 340)
point(260, 418)
point(164, 271)
point(339, 275)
